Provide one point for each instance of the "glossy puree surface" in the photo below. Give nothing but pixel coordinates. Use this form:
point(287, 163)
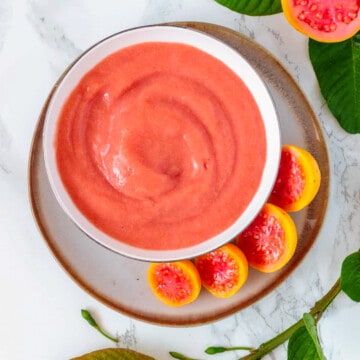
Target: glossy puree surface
point(161, 146)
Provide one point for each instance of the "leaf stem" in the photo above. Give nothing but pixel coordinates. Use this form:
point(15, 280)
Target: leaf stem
point(91, 321)
point(268, 346)
point(317, 311)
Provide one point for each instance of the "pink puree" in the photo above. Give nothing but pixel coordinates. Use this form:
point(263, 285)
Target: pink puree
point(161, 145)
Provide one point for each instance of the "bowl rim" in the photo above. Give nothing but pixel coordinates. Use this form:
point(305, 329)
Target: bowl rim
point(92, 56)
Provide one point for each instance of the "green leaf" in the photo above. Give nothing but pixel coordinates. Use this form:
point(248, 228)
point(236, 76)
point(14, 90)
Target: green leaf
point(337, 68)
point(180, 356)
point(350, 276)
point(212, 350)
point(310, 325)
point(253, 7)
point(302, 345)
point(215, 350)
point(114, 354)
point(88, 317)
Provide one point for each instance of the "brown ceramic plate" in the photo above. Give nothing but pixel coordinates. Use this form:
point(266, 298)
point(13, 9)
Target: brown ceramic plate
point(120, 282)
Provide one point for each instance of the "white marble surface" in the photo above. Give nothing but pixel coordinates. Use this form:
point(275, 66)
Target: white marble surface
point(39, 304)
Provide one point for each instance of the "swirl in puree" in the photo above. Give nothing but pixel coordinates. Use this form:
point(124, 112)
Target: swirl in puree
point(161, 146)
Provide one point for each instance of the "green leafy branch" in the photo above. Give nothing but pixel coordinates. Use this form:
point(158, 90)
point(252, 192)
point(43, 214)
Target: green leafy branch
point(303, 337)
point(336, 65)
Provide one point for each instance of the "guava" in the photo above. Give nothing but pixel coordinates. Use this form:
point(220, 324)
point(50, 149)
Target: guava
point(270, 241)
point(298, 179)
point(174, 283)
point(324, 20)
point(223, 271)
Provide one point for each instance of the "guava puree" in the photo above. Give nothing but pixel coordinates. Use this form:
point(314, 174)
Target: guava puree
point(161, 146)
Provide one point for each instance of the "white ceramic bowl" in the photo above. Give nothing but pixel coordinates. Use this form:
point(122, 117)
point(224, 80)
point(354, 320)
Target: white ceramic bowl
point(213, 47)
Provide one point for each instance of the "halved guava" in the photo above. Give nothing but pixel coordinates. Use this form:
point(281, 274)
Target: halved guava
point(324, 20)
point(270, 241)
point(298, 179)
point(174, 283)
point(223, 271)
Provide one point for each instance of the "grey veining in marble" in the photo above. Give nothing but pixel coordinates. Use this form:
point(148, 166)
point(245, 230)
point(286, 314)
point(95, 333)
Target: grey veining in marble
point(5, 20)
point(61, 48)
point(5, 144)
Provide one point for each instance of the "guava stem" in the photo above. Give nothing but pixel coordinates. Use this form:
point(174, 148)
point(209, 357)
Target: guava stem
point(317, 312)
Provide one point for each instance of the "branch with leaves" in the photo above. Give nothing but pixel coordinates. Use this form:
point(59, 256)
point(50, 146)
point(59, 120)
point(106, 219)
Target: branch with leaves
point(303, 337)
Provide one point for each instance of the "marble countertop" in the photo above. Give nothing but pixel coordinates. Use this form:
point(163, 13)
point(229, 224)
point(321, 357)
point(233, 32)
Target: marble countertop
point(40, 304)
